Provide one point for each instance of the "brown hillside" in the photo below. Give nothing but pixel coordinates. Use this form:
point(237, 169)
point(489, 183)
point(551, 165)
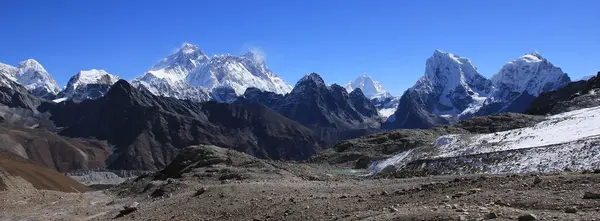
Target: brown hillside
point(40, 177)
point(51, 150)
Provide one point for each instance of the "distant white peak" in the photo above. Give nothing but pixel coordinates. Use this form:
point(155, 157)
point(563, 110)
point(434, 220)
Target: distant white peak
point(31, 64)
point(370, 87)
point(34, 77)
point(530, 73)
point(175, 67)
point(188, 48)
point(93, 76)
point(8, 71)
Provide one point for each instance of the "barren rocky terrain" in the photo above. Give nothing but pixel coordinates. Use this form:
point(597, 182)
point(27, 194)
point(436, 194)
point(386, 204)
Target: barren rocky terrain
point(211, 183)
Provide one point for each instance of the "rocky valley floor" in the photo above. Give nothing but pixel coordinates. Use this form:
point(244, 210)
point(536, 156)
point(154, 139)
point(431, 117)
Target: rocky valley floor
point(564, 196)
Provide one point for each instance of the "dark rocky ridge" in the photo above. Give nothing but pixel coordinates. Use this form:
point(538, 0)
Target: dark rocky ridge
point(148, 131)
point(313, 104)
point(14, 95)
point(330, 111)
point(575, 95)
point(411, 114)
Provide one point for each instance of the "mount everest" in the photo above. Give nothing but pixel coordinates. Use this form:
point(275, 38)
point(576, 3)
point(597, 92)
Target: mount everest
point(451, 88)
point(190, 74)
point(187, 74)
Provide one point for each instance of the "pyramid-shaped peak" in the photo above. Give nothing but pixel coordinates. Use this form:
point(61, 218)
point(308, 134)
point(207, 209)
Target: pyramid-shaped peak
point(31, 64)
point(313, 77)
point(188, 48)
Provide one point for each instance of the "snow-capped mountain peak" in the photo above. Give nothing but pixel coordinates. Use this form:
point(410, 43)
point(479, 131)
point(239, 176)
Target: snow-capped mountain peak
point(87, 84)
point(176, 66)
point(188, 48)
point(34, 77)
point(529, 73)
point(92, 76)
point(370, 87)
point(451, 85)
point(447, 68)
point(9, 71)
point(31, 64)
point(190, 69)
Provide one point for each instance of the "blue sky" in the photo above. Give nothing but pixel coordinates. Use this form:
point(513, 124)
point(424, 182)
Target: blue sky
point(339, 39)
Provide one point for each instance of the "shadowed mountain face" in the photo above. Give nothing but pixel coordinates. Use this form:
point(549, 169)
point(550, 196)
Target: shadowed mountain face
point(330, 111)
point(575, 95)
point(14, 95)
point(48, 149)
point(314, 104)
point(19, 114)
point(148, 131)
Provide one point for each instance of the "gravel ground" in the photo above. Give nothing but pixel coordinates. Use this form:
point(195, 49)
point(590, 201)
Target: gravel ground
point(342, 197)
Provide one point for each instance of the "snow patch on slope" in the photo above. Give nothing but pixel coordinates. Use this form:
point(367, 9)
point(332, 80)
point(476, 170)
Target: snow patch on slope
point(387, 112)
point(561, 128)
point(567, 140)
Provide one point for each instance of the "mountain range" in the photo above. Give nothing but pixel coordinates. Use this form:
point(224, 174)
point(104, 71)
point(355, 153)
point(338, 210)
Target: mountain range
point(451, 89)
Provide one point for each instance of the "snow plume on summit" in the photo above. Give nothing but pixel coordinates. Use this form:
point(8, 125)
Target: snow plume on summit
point(191, 74)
